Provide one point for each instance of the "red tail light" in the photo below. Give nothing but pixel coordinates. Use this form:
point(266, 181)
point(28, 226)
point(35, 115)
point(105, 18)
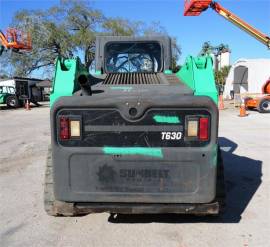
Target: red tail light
point(64, 128)
point(204, 129)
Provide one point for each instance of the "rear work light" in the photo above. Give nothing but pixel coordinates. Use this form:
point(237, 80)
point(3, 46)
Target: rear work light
point(192, 128)
point(69, 128)
point(75, 128)
point(198, 128)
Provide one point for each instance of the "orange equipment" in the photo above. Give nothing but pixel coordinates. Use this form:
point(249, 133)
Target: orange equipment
point(221, 103)
point(16, 40)
point(242, 112)
point(196, 7)
point(27, 105)
point(261, 102)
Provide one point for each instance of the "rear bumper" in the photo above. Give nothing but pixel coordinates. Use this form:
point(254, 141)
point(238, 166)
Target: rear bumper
point(129, 208)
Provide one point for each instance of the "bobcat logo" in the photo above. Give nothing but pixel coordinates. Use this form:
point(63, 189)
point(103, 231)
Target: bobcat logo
point(106, 174)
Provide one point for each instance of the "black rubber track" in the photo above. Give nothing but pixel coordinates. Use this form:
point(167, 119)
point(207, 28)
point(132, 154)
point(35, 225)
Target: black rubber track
point(52, 206)
point(220, 192)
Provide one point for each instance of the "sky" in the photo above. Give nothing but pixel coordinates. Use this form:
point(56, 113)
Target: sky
point(191, 32)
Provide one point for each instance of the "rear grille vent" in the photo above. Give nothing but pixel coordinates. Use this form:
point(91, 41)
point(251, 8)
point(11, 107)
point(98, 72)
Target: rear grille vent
point(131, 78)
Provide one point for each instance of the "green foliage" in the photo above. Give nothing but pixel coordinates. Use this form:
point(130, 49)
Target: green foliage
point(176, 53)
point(118, 26)
point(153, 29)
point(208, 48)
point(221, 75)
point(5, 70)
point(4, 76)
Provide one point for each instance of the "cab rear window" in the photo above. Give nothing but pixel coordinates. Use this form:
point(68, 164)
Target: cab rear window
point(132, 57)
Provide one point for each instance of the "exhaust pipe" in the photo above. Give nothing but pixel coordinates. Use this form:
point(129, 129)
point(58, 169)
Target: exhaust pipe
point(84, 83)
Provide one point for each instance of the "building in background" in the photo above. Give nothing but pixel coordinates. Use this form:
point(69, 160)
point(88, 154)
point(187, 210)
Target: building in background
point(223, 59)
point(247, 76)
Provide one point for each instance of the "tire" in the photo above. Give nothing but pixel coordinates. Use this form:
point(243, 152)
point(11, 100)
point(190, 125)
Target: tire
point(36, 103)
point(264, 106)
point(52, 206)
point(12, 101)
point(21, 103)
point(220, 187)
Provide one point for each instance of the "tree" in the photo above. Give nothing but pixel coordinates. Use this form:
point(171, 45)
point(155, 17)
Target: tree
point(5, 69)
point(221, 76)
point(69, 29)
point(4, 76)
point(118, 26)
point(153, 29)
point(208, 49)
point(176, 53)
point(66, 30)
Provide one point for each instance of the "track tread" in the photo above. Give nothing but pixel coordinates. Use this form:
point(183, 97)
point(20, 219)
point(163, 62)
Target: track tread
point(52, 206)
point(220, 189)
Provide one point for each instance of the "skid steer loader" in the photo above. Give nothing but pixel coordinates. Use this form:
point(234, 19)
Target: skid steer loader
point(134, 137)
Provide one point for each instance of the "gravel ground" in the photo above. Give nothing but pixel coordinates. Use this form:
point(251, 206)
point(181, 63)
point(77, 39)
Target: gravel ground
point(24, 137)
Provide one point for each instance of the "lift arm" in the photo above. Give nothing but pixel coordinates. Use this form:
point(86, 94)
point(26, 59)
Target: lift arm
point(241, 24)
point(195, 7)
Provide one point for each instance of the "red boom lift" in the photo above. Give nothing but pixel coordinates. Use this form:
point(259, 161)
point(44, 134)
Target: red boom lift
point(196, 7)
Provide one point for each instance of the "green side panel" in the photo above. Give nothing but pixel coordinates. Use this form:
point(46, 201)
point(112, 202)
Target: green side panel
point(2, 98)
point(154, 152)
point(66, 74)
point(197, 73)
